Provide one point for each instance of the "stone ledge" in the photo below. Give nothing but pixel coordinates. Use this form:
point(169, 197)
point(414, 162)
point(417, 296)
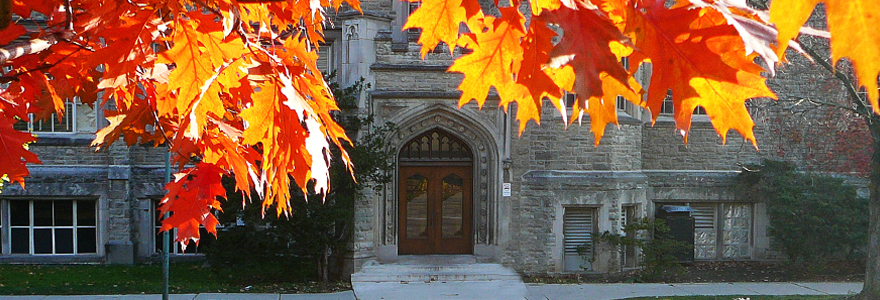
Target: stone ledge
point(422, 95)
point(94, 171)
point(369, 14)
point(50, 259)
point(407, 67)
point(72, 140)
point(690, 178)
point(594, 177)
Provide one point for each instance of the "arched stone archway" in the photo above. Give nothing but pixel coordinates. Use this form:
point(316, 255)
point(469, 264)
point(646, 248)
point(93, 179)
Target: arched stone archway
point(485, 171)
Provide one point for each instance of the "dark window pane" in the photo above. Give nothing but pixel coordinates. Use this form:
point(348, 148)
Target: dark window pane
point(85, 213)
point(206, 240)
point(63, 213)
point(42, 241)
point(20, 240)
point(64, 241)
point(86, 240)
point(452, 206)
point(20, 125)
point(42, 213)
point(19, 213)
point(417, 207)
point(160, 238)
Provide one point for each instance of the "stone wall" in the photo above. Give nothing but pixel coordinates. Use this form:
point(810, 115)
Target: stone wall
point(554, 167)
point(114, 176)
point(663, 148)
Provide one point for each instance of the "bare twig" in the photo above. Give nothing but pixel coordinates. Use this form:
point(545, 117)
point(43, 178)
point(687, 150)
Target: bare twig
point(862, 108)
point(68, 13)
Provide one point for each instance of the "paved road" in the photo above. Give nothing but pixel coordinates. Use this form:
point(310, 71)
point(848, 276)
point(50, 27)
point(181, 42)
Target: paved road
point(538, 292)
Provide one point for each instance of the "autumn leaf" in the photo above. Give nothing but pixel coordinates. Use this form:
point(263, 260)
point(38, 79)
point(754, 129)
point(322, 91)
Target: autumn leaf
point(495, 50)
point(440, 21)
point(753, 27)
point(585, 46)
point(850, 23)
point(14, 153)
point(533, 82)
point(702, 59)
point(11, 33)
point(191, 197)
point(603, 109)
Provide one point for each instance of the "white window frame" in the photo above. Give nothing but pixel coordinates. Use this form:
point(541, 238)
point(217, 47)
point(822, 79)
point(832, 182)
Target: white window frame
point(70, 107)
point(74, 227)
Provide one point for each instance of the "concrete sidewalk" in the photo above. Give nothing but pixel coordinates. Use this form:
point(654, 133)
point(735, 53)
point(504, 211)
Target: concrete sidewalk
point(539, 292)
point(623, 291)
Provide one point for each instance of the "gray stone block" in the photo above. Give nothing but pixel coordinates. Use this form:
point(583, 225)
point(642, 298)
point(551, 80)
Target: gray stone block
point(120, 252)
point(118, 172)
point(387, 254)
point(485, 253)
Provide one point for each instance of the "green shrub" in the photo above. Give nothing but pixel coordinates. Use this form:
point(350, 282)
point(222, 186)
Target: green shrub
point(658, 251)
point(813, 218)
point(318, 229)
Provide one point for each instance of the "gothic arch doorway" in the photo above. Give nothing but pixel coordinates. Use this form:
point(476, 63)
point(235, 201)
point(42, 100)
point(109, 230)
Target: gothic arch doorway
point(435, 192)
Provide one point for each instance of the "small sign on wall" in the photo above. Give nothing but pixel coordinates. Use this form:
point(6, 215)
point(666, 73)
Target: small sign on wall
point(505, 189)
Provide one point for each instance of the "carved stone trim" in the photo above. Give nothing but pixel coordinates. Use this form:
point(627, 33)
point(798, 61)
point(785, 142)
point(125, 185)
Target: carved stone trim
point(479, 144)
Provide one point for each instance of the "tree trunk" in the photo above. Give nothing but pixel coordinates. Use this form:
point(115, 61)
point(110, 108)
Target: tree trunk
point(871, 290)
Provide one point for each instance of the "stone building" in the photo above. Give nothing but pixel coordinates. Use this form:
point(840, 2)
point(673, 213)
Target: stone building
point(465, 182)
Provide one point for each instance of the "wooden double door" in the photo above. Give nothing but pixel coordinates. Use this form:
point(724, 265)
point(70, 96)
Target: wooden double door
point(435, 211)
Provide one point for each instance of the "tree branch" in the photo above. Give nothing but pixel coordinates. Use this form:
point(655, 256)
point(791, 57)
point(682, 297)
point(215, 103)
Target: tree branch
point(862, 108)
point(37, 45)
point(68, 14)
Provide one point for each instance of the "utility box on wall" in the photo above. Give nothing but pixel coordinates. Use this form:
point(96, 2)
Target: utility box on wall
point(681, 228)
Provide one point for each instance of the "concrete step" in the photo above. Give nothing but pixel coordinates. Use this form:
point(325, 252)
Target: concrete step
point(437, 277)
point(415, 273)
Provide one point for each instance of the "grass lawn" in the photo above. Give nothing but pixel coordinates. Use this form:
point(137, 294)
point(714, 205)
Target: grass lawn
point(147, 279)
point(742, 298)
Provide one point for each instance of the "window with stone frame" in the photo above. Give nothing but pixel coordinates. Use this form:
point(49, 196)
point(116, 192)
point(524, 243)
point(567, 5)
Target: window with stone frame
point(401, 38)
point(578, 228)
point(65, 124)
point(206, 238)
point(722, 231)
point(620, 101)
point(413, 33)
point(629, 253)
point(669, 108)
point(50, 227)
point(326, 62)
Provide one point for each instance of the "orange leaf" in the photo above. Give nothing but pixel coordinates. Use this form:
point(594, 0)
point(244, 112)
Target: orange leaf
point(853, 27)
point(11, 33)
point(585, 45)
point(603, 110)
point(191, 197)
point(440, 21)
point(496, 49)
point(702, 59)
point(14, 153)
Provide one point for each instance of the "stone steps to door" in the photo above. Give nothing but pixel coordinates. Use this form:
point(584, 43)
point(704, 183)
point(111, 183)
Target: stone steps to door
point(437, 277)
point(412, 273)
